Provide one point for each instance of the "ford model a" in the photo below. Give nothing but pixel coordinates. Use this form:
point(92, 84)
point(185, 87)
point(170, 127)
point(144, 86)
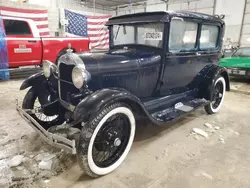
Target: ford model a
point(160, 65)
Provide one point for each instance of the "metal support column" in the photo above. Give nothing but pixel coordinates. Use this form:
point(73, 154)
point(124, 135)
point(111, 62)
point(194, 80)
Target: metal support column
point(145, 7)
point(214, 6)
point(242, 23)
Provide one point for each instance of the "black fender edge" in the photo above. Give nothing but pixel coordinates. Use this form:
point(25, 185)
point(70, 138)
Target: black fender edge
point(42, 86)
point(33, 79)
point(209, 79)
point(90, 105)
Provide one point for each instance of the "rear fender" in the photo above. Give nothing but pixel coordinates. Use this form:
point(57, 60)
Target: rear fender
point(209, 79)
point(90, 105)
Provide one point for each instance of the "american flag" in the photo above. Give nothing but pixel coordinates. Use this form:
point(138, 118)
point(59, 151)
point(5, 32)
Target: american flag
point(89, 26)
point(40, 17)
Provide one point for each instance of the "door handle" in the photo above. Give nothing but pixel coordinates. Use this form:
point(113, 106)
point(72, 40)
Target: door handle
point(32, 41)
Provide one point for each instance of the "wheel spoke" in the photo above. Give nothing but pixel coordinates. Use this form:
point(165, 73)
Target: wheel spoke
point(114, 128)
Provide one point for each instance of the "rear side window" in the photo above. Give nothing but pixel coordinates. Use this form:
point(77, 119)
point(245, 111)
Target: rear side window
point(183, 35)
point(209, 36)
point(16, 27)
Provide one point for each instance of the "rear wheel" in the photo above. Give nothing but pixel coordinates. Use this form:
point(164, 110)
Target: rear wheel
point(31, 102)
point(105, 142)
point(218, 94)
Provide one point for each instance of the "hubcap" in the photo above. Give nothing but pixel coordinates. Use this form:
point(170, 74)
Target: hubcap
point(117, 142)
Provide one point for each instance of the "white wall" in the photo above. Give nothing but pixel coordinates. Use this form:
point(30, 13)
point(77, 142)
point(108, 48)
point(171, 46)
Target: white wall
point(203, 6)
point(233, 11)
point(53, 7)
point(156, 5)
point(245, 39)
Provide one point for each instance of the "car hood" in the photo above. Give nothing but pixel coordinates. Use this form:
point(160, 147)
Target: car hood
point(117, 61)
point(235, 62)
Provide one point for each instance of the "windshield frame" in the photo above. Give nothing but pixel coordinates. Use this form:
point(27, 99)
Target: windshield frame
point(233, 55)
point(111, 39)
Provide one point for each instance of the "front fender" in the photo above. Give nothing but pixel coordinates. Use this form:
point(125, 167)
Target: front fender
point(91, 104)
point(32, 80)
point(47, 89)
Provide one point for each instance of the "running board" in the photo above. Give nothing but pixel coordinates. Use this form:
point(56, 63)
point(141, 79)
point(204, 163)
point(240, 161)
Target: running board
point(53, 139)
point(177, 111)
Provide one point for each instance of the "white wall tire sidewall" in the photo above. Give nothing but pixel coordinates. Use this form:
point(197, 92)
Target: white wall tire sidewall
point(103, 171)
point(215, 110)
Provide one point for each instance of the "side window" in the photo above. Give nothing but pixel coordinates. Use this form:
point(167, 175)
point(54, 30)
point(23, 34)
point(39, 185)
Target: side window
point(209, 36)
point(16, 27)
point(182, 35)
point(155, 28)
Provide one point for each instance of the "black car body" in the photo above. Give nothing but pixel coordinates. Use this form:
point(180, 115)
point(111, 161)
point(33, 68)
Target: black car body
point(160, 65)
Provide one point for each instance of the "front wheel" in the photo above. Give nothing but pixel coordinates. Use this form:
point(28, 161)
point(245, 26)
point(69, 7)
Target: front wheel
point(218, 94)
point(105, 142)
point(31, 102)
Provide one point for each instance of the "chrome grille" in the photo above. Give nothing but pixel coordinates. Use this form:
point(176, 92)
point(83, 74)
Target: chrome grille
point(66, 86)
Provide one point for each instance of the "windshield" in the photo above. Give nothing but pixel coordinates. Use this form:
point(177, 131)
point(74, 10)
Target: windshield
point(242, 52)
point(146, 34)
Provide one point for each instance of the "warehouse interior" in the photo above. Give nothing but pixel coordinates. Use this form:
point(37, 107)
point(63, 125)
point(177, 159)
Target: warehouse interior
point(201, 149)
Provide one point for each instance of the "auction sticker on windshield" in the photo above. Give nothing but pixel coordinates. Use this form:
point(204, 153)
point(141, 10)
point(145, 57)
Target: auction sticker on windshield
point(153, 36)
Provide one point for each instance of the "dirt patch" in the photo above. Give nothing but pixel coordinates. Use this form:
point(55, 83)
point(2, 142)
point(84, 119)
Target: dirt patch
point(170, 156)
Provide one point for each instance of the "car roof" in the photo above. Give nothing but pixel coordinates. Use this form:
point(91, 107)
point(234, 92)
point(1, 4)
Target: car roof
point(161, 16)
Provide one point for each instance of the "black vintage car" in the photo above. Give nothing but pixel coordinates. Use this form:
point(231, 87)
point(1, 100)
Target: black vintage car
point(160, 66)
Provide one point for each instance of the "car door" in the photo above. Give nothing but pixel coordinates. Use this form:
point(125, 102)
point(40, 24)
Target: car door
point(209, 43)
point(23, 48)
point(182, 62)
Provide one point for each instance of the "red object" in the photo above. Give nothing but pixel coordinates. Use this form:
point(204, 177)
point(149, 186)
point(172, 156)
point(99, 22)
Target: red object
point(26, 47)
point(40, 17)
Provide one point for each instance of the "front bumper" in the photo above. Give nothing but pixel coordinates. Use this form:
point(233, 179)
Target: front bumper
point(238, 72)
point(53, 139)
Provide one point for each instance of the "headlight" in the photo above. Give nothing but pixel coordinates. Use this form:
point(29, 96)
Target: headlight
point(48, 68)
point(80, 76)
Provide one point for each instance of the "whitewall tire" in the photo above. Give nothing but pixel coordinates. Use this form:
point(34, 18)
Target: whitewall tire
point(95, 137)
point(218, 95)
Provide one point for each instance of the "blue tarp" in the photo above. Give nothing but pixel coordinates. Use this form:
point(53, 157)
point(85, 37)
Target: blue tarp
point(4, 64)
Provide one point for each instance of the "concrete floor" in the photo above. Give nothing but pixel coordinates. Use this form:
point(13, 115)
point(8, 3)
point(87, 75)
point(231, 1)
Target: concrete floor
point(161, 157)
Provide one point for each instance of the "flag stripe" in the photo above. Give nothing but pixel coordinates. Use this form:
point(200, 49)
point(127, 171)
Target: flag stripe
point(42, 26)
point(105, 37)
point(23, 15)
point(40, 17)
point(100, 31)
point(95, 29)
point(44, 34)
point(97, 23)
point(99, 17)
point(16, 16)
point(98, 35)
point(23, 10)
point(91, 26)
point(42, 23)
